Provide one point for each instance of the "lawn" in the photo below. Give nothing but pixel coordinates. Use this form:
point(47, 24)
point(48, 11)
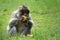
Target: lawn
point(45, 14)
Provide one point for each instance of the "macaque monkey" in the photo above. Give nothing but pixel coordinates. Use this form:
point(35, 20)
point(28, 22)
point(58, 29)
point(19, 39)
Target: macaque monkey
point(20, 22)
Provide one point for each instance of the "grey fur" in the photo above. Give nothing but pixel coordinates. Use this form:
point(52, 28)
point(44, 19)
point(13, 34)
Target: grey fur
point(16, 20)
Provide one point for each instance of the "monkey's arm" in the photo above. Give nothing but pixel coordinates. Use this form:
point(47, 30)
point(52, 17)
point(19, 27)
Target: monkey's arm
point(30, 18)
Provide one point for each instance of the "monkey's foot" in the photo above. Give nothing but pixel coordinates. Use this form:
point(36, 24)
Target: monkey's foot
point(29, 35)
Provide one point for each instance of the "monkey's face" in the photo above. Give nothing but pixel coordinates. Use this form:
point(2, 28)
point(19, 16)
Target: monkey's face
point(24, 12)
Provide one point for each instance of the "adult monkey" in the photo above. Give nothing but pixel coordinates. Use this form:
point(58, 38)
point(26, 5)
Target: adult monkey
point(20, 22)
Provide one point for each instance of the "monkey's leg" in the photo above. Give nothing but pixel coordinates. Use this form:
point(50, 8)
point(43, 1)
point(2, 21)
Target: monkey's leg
point(24, 31)
point(30, 23)
point(11, 31)
point(27, 29)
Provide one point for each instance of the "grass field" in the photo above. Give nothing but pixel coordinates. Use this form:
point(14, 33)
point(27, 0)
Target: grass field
point(45, 13)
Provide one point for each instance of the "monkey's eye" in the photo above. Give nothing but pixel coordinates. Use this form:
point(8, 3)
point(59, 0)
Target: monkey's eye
point(24, 11)
point(27, 11)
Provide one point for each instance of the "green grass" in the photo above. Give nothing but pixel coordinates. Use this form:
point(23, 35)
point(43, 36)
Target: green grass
point(45, 13)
